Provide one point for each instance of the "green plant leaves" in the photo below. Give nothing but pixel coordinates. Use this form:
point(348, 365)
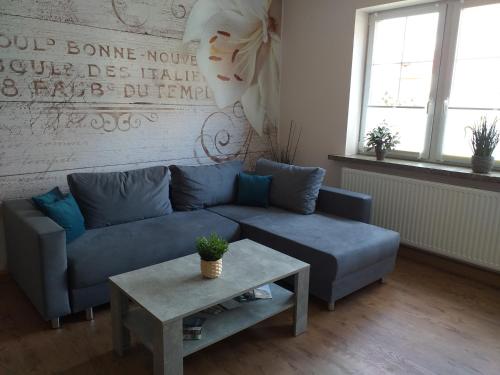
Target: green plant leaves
point(485, 138)
point(382, 138)
point(211, 248)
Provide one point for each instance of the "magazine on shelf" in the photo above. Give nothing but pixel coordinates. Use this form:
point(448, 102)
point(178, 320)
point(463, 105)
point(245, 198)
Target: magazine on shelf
point(231, 304)
point(214, 310)
point(192, 327)
point(262, 292)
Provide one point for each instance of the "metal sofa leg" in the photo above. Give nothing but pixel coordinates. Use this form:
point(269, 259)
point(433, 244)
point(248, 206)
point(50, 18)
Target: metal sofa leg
point(383, 280)
point(89, 314)
point(331, 306)
point(55, 323)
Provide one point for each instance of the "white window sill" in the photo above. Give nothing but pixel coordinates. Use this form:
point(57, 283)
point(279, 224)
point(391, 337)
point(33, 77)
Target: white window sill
point(409, 165)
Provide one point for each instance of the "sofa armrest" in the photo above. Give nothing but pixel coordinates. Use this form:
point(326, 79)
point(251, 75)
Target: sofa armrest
point(344, 203)
point(36, 257)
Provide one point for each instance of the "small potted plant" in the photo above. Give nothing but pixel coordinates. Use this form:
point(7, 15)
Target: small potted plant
point(211, 250)
point(484, 140)
point(381, 140)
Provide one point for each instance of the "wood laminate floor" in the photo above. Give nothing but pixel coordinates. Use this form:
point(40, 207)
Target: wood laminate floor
point(422, 321)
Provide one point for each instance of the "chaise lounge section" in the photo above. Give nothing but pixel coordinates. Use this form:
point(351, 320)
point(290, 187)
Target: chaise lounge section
point(344, 251)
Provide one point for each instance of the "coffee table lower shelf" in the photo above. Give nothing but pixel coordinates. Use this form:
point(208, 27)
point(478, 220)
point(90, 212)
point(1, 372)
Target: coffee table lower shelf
point(216, 327)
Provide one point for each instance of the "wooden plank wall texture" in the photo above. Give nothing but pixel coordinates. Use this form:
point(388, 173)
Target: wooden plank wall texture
point(104, 85)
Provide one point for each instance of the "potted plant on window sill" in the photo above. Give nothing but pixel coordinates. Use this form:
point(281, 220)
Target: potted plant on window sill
point(381, 140)
point(484, 140)
point(211, 250)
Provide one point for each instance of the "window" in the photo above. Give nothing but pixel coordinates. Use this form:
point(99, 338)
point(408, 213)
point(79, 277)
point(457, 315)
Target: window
point(431, 72)
point(475, 89)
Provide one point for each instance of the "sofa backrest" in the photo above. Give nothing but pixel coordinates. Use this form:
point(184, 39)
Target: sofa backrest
point(119, 197)
point(197, 187)
point(293, 188)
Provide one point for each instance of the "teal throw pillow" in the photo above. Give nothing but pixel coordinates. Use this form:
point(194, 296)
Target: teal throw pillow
point(253, 190)
point(67, 214)
point(52, 196)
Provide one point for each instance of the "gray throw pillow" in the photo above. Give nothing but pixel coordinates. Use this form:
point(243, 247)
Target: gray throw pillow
point(196, 187)
point(120, 197)
point(293, 188)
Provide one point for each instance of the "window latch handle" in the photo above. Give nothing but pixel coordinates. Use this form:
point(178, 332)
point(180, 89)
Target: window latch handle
point(430, 103)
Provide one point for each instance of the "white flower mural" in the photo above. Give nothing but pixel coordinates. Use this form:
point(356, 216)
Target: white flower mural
point(239, 55)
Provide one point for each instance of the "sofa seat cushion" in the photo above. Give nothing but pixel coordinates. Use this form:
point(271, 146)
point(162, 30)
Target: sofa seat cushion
point(104, 252)
point(332, 245)
point(239, 213)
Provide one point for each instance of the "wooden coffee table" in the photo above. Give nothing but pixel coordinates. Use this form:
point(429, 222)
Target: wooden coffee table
point(151, 302)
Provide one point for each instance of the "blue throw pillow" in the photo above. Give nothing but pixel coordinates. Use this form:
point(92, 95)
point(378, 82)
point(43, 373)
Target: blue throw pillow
point(253, 190)
point(66, 213)
point(52, 196)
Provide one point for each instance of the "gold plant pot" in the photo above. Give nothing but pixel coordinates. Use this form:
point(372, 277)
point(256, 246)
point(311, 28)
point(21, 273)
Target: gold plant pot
point(211, 270)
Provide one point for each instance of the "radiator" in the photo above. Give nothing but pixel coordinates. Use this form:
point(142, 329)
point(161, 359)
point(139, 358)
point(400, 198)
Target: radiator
point(453, 221)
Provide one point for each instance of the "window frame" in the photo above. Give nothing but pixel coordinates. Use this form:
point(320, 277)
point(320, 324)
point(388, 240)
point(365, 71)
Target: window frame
point(442, 77)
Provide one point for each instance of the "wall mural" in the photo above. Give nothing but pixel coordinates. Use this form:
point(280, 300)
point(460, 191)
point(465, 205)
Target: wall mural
point(101, 85)
point(239, 54)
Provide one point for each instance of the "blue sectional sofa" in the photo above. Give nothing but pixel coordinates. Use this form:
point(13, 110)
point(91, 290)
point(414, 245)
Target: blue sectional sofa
point(345, 252)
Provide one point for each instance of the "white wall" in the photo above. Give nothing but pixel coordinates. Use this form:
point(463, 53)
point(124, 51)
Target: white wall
point(316, 78)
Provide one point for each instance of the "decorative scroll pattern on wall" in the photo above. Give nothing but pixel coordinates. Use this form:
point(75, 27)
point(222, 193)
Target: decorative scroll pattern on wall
point(93, 85)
